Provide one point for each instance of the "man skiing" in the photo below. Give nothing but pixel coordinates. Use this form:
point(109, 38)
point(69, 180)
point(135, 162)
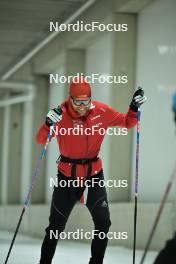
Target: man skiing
point(79, 160)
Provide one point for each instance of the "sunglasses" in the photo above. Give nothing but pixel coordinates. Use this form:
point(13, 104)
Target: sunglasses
point(78, 102)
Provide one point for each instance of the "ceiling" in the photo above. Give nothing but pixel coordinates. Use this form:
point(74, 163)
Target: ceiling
point(25, 23)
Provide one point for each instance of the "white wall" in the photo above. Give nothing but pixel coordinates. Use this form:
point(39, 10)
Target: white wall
point(156, 64)
point(99, 60)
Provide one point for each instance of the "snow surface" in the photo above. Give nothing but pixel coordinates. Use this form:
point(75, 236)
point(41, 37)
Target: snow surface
point(26, 250)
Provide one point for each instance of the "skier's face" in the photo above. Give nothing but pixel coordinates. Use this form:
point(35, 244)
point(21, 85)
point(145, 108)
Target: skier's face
point(81, 105)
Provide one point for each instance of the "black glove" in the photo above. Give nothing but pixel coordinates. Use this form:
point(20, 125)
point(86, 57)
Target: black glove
point(138, 99)
point(53, 116)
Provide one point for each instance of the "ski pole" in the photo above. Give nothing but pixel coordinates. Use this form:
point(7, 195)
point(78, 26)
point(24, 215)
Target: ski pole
point(136, 181)
point(28, 197)
point(136, 185)
point(163, 201)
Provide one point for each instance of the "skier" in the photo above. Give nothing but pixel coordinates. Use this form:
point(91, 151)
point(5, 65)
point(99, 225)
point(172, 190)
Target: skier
point(79, 160)
point(167, 254)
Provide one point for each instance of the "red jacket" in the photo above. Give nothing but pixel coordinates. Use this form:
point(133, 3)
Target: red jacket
point(82, 145)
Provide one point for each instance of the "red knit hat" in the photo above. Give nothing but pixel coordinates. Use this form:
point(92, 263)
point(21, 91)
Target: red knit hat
point(79, 88)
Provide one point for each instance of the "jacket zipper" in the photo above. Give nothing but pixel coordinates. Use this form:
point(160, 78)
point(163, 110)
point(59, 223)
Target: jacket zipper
point(85, 174)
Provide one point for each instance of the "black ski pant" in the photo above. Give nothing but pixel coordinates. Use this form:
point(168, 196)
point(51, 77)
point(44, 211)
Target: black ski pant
point(168, 253)
point(63, 201)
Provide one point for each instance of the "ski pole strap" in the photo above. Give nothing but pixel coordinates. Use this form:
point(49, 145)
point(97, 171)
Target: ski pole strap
point(74, 163)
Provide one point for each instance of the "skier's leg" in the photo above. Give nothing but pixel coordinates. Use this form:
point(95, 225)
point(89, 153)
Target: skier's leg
point(61, 206)
point(98, 206)
point(167, 254)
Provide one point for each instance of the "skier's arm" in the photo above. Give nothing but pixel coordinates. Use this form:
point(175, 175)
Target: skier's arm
point(42, 134)
point(53, 117)
point(128, 119)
